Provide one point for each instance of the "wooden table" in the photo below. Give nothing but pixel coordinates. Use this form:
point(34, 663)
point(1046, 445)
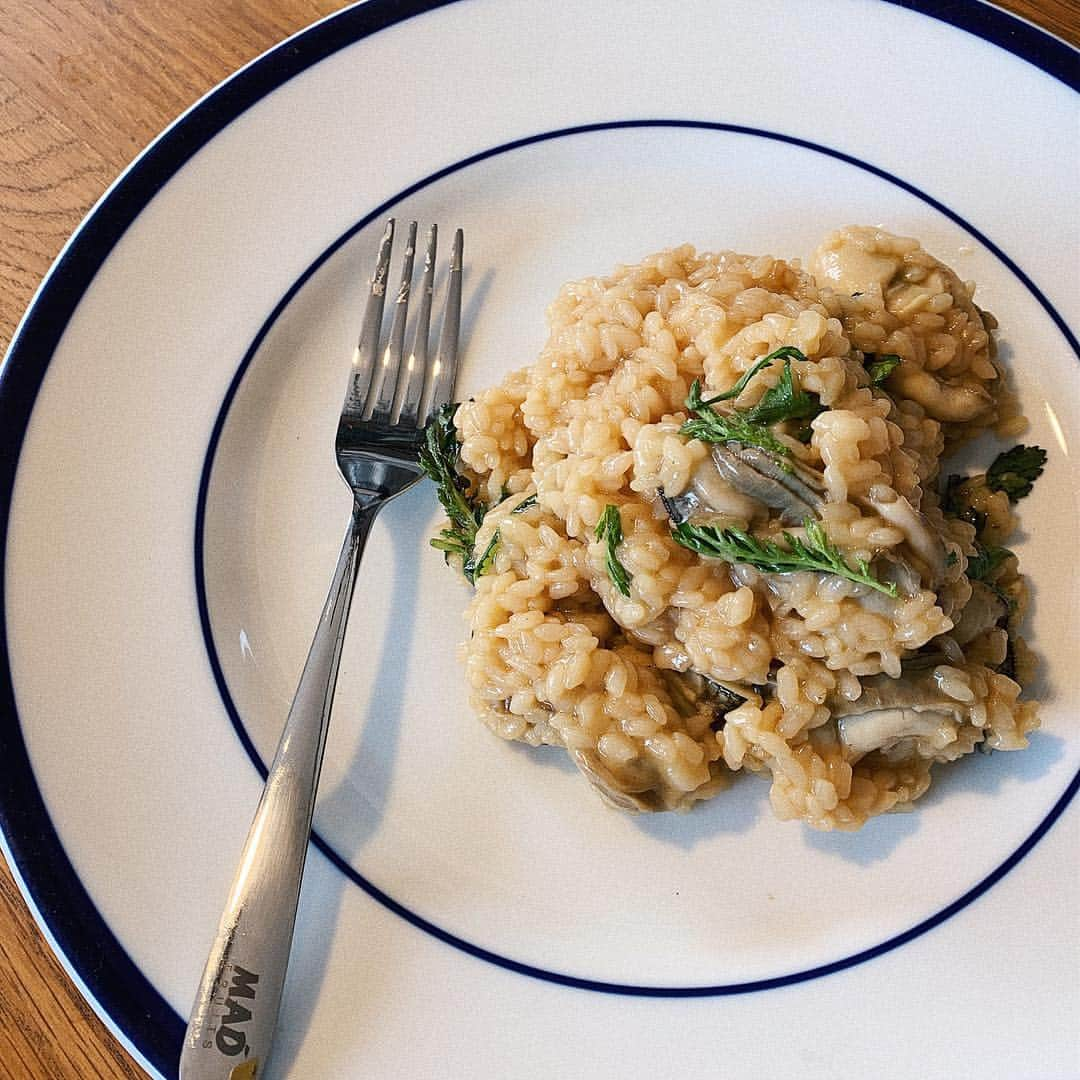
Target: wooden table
point(84, 85)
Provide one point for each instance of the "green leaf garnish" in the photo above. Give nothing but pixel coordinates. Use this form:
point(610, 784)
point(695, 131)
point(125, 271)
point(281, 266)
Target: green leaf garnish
point(783, 401)
point(1015, 470)
point(609, 529)
point(439, 456)
point(955, 503)
point(987, 558)
point(751, 427)
point(740, 386)
point(715, 427)
point(709, 425)
point(880, 366)
point(525, 504)
point(474, 567)
point(816, 552)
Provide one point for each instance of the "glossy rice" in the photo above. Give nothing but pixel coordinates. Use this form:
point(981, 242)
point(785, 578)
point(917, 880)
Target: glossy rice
point(627, 684)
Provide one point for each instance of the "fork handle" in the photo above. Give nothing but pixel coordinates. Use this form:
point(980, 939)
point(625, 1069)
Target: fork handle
point(235, 1012)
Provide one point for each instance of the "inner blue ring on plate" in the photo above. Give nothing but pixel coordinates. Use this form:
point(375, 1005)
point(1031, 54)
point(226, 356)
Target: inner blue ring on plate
point(342, 864)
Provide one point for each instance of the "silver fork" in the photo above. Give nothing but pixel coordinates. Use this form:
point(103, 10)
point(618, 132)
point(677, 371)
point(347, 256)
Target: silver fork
point(388, 399)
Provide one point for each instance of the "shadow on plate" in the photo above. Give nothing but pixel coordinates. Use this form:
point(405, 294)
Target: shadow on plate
point(873, 843)
point(475, 295)
point(983, 774)
point(548, 757)
point(1041, 687)
point(734, 810)
point(360, 802)
point(361, 796)
point(989, 774)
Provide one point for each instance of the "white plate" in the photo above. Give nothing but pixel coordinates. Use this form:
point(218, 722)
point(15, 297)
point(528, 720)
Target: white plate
point(175, 513)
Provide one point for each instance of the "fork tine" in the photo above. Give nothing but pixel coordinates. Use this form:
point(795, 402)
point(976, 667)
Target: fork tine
point(444, 370)
point(368, 347)
point(380, 396)
point(410, 389)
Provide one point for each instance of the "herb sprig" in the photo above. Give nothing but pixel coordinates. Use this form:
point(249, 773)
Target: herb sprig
point(476, 566)
point(609, 529)
point(1015, 470)
point(439, 456)
point(816, 552)
point(709, 425)
point(987, 558)
point(751, 427)
point(983, 563)
point(734, 391)
point(785, 401)
point(879, 366)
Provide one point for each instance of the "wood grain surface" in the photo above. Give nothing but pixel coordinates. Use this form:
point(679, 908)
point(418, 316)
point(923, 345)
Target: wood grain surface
point(84, 86)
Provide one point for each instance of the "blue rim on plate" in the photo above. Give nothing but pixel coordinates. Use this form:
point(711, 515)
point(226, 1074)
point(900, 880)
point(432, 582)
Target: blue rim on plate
point(62, 904)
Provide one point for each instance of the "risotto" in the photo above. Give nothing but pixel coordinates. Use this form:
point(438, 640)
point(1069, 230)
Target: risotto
point(709, 533)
